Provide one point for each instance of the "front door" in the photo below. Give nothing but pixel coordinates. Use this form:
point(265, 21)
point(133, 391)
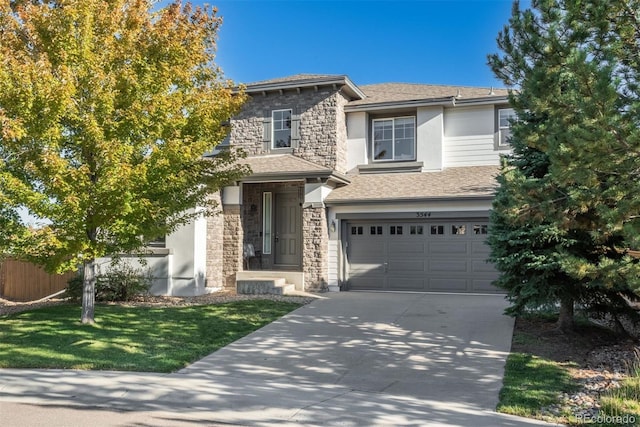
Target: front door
point(288, 230)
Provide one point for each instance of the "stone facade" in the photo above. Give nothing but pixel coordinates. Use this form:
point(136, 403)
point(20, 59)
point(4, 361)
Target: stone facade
point(315, 248)
point(215, 250)
point(232, 244)
point(322, 127)
point(319, 135)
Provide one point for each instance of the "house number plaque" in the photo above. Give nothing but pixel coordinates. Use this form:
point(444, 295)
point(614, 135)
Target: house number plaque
point(423, 214)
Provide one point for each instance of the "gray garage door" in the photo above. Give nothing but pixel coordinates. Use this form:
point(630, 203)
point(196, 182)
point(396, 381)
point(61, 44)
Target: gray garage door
point(446, 255)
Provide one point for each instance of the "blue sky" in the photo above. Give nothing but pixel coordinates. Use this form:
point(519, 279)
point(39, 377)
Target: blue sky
point(419, 41)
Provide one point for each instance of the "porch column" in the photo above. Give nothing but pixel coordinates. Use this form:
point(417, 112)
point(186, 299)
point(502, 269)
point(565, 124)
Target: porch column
point(315, 237)
point(233, 235)
point(215, 250)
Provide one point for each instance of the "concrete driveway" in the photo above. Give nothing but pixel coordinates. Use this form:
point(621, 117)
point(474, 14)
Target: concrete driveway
point(350, 359)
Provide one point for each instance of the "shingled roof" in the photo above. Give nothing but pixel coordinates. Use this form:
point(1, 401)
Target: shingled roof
point(287, 166)
point(402, 92)
point(459, 182)
point(296, 78)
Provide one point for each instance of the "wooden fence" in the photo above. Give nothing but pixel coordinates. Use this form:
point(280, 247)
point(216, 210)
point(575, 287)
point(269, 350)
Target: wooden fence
point(23, 281)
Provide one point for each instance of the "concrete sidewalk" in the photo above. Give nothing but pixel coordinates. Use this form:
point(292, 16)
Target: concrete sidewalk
point(353, 359)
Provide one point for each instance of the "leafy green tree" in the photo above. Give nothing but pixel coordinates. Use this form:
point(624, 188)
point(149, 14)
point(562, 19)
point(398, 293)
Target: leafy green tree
point(106, 108)
point(566, 209)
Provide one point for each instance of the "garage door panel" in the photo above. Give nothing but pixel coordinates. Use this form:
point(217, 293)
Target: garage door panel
point(482, 267)
point(448, 247)
point(366, 283)
point(406, 284)
point(408, 247)
point(449, 267)
point(407, 265)
point(479, 248)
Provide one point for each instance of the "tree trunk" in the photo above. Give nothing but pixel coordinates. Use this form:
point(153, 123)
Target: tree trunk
point(565, 318)
point(89, 292)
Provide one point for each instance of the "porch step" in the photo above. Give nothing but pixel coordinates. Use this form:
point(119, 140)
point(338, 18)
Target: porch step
point(264, 285)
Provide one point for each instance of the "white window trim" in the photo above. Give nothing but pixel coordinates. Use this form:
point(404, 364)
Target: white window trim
point(273, 130)
point(267, 215)
point(501, 128)
point(393, 140)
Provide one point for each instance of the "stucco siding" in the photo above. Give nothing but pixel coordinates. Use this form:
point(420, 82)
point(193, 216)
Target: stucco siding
point(356, 139)
point(430, 138)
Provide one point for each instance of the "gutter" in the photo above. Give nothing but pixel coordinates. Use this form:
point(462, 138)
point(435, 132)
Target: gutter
point(297, 176)
point(406, 200)
point(450, 101)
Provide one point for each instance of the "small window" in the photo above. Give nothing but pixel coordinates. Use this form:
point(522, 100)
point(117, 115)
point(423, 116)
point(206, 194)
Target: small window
point(396, 229)
point(458, 229)
point(158, 242)
point(416, 229)
point(437, 229)
point(376, 230)
point(356, 230)
point(505, 117)
point(281, 129)
point(481, 229)
point(394, 139)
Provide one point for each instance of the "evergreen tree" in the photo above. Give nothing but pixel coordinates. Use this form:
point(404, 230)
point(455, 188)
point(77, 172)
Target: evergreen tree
point(565, 211)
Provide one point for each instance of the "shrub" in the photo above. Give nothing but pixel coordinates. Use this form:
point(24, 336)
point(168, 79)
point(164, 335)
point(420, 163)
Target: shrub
point(121, 282)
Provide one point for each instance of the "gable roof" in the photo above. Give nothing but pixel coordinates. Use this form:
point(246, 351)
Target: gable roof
point(296, 78)
point(338, 81)
point(459, 182)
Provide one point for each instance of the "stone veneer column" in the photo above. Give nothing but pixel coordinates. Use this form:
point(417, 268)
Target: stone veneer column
point(215, 252)
point(232, 245)
point(315, 241)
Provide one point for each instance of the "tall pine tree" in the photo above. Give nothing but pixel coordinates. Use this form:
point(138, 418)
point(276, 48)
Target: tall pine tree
point(564, 212)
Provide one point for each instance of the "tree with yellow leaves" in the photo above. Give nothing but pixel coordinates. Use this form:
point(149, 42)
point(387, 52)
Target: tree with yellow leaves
point(106, 110)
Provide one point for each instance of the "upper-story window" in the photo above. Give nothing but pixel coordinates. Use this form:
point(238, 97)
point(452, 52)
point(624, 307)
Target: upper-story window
point(281, 129)
point(394, 139)
point(505, 117)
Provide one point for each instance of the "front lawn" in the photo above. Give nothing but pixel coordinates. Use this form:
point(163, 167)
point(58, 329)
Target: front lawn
point(532, 383)
point(145, 339)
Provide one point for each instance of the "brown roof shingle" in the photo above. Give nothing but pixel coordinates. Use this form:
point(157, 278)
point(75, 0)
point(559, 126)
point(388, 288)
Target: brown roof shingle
point(472, 181)
point(399, 92)
point(281, 163)
point(295, 78)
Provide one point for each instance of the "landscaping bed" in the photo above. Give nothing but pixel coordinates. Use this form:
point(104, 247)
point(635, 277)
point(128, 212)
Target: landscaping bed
point(570, 378)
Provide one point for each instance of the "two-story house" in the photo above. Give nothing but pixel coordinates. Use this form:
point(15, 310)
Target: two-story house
point(376, 187)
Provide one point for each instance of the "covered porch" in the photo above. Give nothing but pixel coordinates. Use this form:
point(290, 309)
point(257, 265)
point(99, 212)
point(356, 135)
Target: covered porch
point(281, 231)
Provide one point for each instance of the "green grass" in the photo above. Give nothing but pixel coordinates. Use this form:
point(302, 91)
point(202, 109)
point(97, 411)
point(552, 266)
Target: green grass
point(145, 339)
point(531, 383)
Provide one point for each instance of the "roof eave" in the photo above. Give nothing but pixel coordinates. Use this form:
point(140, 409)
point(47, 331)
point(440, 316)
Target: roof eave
point(450, 101)
point(328, 175)
point(487, 197)
point(343, 82)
